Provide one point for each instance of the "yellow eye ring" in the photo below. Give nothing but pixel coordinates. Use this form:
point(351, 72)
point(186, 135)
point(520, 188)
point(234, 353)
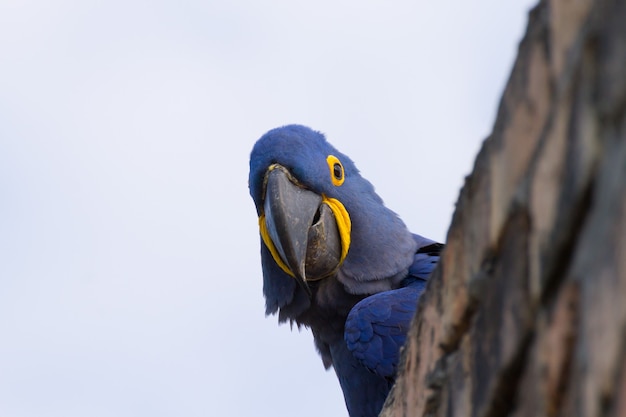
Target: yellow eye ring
point(337, 174)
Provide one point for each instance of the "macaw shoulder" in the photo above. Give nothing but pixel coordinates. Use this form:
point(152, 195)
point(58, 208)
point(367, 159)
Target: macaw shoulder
point(377, 326)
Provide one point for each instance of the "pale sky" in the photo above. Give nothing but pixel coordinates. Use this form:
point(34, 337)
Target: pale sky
point(130, 278)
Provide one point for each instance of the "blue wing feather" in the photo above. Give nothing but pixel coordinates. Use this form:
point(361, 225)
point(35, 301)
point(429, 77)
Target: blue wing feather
point(376, 327)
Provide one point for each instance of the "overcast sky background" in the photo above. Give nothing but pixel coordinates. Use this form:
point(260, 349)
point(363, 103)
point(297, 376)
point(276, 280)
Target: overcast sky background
point(130, 279)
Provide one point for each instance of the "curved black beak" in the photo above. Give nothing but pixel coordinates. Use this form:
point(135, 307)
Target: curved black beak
point(302, 228)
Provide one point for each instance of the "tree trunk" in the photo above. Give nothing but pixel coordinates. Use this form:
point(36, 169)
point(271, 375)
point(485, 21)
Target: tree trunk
point(526, 313)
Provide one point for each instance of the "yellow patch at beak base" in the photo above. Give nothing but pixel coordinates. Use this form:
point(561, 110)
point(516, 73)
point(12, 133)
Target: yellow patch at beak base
point(270, 246)
point(343, 224)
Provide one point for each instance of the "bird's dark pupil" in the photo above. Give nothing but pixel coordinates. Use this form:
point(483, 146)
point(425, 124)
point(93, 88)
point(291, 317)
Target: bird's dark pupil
point(337, 171)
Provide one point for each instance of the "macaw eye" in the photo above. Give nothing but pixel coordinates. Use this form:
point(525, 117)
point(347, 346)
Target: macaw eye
point(336, 170)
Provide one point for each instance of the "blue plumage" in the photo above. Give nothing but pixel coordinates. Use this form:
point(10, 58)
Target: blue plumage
point(335, 259)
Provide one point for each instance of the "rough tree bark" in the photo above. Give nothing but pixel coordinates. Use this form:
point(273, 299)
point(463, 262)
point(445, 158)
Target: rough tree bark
point(526, 314)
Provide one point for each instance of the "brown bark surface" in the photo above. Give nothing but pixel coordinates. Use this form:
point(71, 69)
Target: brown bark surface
point(526, 314)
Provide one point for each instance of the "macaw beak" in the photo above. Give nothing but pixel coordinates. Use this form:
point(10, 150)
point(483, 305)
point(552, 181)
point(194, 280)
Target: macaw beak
point(302, 228)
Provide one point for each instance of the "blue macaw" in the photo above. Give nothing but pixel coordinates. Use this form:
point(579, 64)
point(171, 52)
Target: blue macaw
point(336, 260)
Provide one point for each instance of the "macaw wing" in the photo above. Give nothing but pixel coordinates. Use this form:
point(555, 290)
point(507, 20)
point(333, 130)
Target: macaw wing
point(376, 327)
